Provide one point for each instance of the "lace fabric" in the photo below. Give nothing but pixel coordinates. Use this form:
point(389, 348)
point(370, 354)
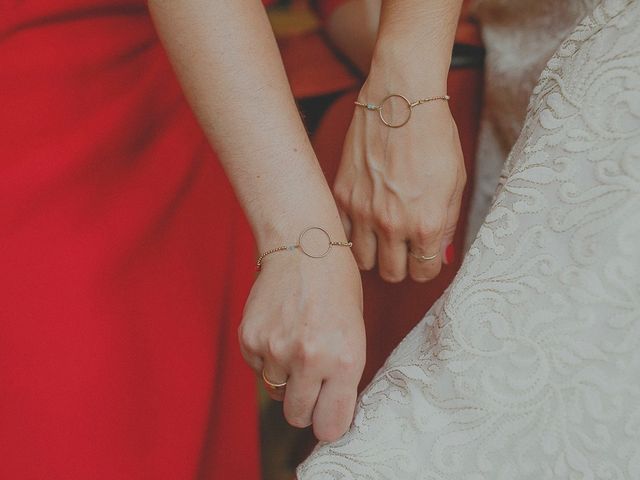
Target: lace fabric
point(528, 367)
point(521, 36)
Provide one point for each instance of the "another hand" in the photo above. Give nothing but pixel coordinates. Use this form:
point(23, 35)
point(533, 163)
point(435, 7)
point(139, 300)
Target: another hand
point(303, 324)
point(399, 189)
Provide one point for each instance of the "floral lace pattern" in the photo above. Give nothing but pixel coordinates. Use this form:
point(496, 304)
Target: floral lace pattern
point(521, 36)
point(528, 367)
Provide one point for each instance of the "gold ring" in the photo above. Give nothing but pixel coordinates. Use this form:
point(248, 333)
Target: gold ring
point(272, 386)
point(423, 258)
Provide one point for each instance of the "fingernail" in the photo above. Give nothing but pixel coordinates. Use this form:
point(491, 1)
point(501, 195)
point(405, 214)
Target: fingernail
point(450, 254)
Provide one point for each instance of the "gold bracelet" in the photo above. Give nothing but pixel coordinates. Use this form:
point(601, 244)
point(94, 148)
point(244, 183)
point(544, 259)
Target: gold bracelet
point(410, 105)
point(300, 246)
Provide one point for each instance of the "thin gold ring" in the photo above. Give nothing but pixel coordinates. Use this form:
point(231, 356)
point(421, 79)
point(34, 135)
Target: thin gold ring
point(272, 386)
point(423, 258)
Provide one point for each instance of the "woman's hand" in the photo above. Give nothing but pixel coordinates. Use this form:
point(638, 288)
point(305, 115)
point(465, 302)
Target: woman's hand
point(303, 324)
point(400, 189)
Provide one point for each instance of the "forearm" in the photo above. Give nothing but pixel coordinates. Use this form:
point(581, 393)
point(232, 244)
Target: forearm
point(414, 45)
point(228, 63)
point(353, 28)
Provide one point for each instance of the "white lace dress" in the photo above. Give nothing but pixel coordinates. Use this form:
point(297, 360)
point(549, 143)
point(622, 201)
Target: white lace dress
point(528, 368)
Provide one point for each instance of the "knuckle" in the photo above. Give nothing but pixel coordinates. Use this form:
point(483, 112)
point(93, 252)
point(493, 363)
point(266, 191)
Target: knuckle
point(424, 233)
point(351, 363)
point(429, 228)
point(360, 209)
point(247, 338)
point(277, 349)
point(386, 224)
point(347, 361)
point(341, 195)
point(449, 231)
point(306, 352)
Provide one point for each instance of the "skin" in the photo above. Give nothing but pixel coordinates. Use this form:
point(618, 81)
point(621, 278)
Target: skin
point(401, 189)
point(303, 320)
point(352, 28)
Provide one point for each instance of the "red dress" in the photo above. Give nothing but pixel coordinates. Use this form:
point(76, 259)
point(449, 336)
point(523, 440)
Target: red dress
point(124, 259)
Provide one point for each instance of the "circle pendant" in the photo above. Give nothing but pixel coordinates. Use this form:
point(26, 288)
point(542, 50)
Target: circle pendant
point(308, 249)
point(403, 118)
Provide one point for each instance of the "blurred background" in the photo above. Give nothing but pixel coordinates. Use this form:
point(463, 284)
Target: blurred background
point(326, 47)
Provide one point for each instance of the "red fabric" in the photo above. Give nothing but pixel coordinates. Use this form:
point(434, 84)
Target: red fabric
point(312, 67)
point(326, 7)
point(468, 32)
point(125, 260)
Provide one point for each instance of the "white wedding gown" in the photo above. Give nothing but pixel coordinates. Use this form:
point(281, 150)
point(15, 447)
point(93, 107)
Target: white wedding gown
point(528, 367)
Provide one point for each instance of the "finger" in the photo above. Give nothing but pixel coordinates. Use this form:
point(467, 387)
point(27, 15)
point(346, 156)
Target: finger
point(249, 348)
point(274, 375)
point(425, 261)
point(453, 213)
point(334, 409)
point(392, 258)
point(300, 399)
point(346, 223)
point(364, 246)
point(253, 360)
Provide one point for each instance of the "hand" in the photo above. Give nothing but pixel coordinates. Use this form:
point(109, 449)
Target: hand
point(303, 324)
point(399, 189)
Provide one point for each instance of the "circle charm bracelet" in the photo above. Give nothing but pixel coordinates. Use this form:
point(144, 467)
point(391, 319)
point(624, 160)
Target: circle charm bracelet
point(323, 245)
point(399, 101)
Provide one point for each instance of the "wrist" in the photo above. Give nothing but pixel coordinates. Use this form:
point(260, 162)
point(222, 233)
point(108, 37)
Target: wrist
point(313, 242)
point(284, 228)
point(288, 195)
point(406, 76)
point(415, 40)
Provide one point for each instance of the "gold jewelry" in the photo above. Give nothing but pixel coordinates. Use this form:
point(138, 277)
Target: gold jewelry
point(300, 246)
point(410, 106)
point(274, 387)
point(423, 258)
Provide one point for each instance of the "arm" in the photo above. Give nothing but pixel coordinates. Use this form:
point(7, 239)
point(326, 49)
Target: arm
point(303, 320)
point(352, 27)
point(416, 36)
point(400, 189)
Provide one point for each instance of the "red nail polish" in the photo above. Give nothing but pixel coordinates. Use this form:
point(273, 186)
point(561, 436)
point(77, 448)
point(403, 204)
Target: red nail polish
point(450, 254)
